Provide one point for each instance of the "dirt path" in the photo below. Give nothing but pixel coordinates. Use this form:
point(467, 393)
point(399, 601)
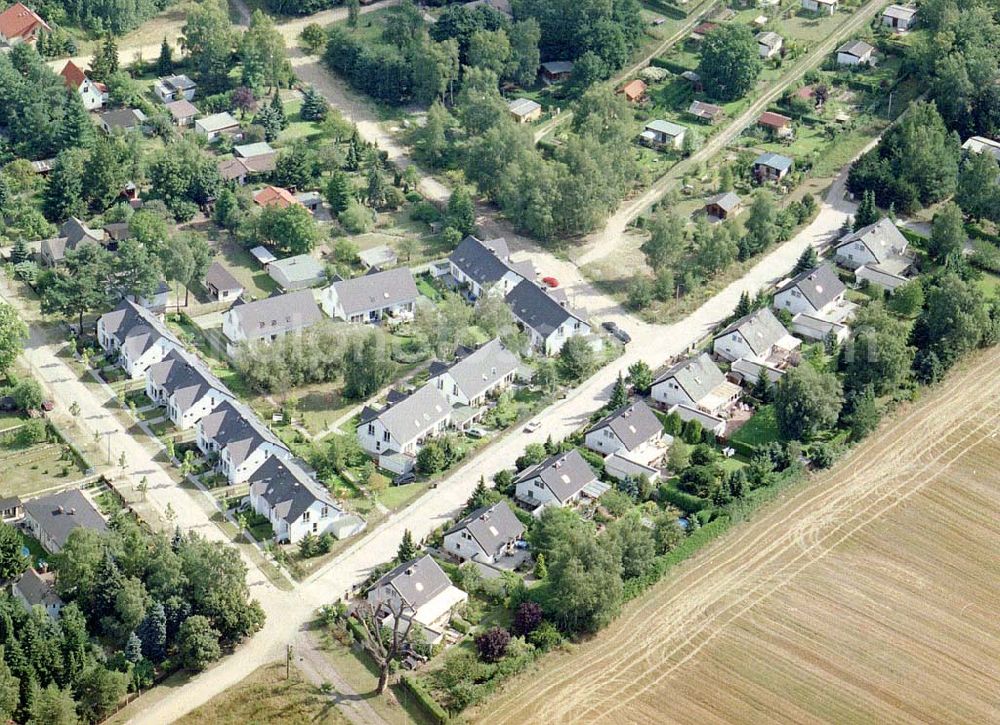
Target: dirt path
point(623, 673)
point(317, 669)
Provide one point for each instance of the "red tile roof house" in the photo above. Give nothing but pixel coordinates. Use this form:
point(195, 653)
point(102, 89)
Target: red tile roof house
point(20, 24)
point(634, 91)
point(779, 125)
point(93, 94)
point(275, 195)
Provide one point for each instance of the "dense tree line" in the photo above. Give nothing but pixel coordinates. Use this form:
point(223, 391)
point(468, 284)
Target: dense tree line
point(114, 16)
point(609, 29)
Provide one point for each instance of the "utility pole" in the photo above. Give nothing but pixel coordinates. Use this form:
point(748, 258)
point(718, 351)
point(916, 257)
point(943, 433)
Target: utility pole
point(288, 660)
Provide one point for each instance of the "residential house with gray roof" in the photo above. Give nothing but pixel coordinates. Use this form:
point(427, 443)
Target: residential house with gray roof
point(268, 319)
point(404, 423)
point(37, 589)
point(137, 335)
point(757, 343)
point(815, 299)
point(374, 297)
point(72, 234)
point(546, 316)
point(771, 167)
point(296, 505)
point(855, 52)
point(877, 253)
point(420, 593)
point(222, 286)
point(696, 382)
point(482, 266)
point(236, 441)
point(51, 519)
point(125, 120)
point(487, 534)
point(631, 440)
point(559, 480)
point(476, 373)
point(187, 389)
point(297, 273)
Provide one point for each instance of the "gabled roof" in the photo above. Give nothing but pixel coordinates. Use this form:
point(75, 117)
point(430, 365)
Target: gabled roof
point(59, 513)
point(129, 319)
point(901, 12)
point(185, 378)
point(178, 82)
point(376, 290)
point(275, 195)
point(698, 376)
point(410, 417)
point(417, 582)
point(288, 489)
point(820, 286)
point(491, 526)
point(38, 588)
point(537, 309)
point(701, 109)
point(726, 200)
point(76, 231)
point(769, 38)
point(761, 330)
point(634, 88)
point(217, 122)
point(634, 424)
point(477, 371)
point(485, 262)
point(880, 238)
point(857, 48)
point(556, 67)
point(126, 118)
point(234, 427)
point(249, 150)
point(774, 161)
point(278, 314)
point(665, 127)
point(221, 278)
point(523, 106)
point(773, 120)
point(182, 108)
point(73, 75)
point(980, 144)
point(565, 474)
point(19, 21)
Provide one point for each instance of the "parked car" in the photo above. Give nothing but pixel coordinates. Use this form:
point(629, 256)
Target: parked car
point(477, 432)
point(532, 426)
point(617, 332)
point(550, 281)
point(404, 478)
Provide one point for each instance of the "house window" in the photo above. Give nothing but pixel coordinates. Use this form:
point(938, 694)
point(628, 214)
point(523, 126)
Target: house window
point(385, 436)
point(315, 528)
point(305, 516)
point(371, 429)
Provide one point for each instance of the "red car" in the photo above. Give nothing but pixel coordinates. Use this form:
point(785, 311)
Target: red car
point(550, 281)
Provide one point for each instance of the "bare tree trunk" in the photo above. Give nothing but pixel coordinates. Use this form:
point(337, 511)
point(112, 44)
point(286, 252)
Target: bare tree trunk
point(383, 678)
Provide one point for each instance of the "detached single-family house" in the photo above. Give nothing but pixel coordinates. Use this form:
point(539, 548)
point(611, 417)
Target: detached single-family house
point(485, 266)
point(52, 518)
point(93, 94)
point(769, 44)
point(486, 535)
point(855, 52)
point(175, 88)
point(275, 195)
point(403, 425)
point(250, 150)
point(631, 440)
point(374, 297)
point(756, 343)
point(126, 120)
point(696, 382)
point(221, 285)
point(981, 144)
point(296, 505)
point(241, 169)
point(72, 234)
point(556, 70)
point(877, 253)
point(475, 374)
point(297, 273)
point(815, 298)
point(37, 589)
point(723, 206)
point(218, 124)
point(421, 594)
point(708, 112)
point(559, 480)
point(771, 167)
point(634, 91)
point(899, 17)
point(189, 391)
point(20, 24)
point(236, 442)
point(663, 134)
point(137, 335)
point(524, 110)
point(828, 7)
point(546, 316)
point(182, 112)
point(776, 123)
point(268, 319)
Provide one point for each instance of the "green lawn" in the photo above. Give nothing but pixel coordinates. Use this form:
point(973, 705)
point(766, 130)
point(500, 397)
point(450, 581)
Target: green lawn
point(26, 471)
point(397, 497)
point(759, 430)
point(989, 284)
point(257, 283)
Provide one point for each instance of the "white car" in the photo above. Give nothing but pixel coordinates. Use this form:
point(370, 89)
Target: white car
point(532, 426)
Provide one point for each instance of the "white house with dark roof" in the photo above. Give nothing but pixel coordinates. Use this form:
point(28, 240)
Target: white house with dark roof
point(296, 505)
point(546, 316)
point(373, 297)
point(486, 535)
point(37, 589)
point(137, 335)
point(855, 52)
point(899, 17)
point(698, 383)
point(815, 299)
point(769, 44)
point(51, 519)
point(404, 423)
point(175, 88)
point(663, 134)
point(877, 253)
point(221, 285)
point(485, 266)
point(559, 480)
point(756, 343)
point(188, 390)
point(236, 441)
point(421, 593)
point(475, 374)
point(268, 319)
point(631, 440)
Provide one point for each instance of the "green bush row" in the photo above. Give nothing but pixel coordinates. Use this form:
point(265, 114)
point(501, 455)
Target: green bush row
point(432, 709)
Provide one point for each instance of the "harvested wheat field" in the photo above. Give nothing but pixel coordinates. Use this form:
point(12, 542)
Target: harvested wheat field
point(870, 595)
